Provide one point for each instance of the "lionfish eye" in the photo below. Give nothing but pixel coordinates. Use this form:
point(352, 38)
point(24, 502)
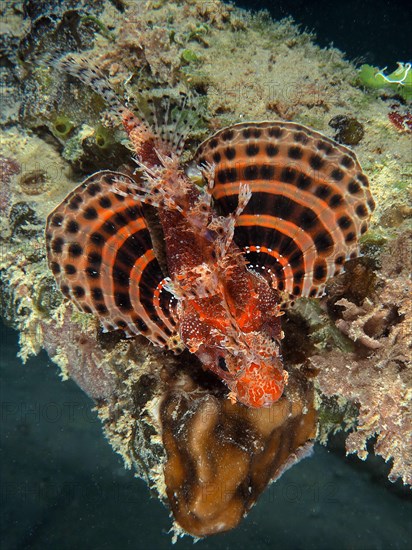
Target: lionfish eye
point(222, 363)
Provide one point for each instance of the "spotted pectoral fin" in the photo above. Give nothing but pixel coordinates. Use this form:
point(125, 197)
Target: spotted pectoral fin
point(310, 200)
point(100, 251)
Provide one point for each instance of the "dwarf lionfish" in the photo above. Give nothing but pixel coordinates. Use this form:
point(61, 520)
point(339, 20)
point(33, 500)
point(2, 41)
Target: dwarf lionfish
point(280, 211)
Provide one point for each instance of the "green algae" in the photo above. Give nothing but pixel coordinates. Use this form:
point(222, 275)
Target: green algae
point(198, 34)
point(101, 27)
point(399, 81)
point(189, 56)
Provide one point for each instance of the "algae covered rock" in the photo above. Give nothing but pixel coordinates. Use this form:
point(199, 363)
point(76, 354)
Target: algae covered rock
point(378, 377)
point(348, 129)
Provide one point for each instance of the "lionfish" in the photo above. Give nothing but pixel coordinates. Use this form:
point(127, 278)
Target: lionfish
point(280, 210)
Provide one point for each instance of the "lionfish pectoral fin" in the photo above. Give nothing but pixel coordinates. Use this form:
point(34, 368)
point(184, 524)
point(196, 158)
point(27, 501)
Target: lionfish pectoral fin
point(101, 254)
point(310, 201)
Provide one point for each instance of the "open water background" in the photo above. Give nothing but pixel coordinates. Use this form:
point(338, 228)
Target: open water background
point(377, 31)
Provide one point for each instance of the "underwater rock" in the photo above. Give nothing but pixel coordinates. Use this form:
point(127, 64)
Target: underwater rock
point(34, 9)
point(348, 130)
point(9, 167)
point(61, 27)
point(33, 182)
point(80, 357)
point(396, 214)
point(24, 220)
point(356, 283)
point(54, 109)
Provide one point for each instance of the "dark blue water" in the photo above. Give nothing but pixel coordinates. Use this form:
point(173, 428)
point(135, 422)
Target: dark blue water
point(378, 31)
point(62, 486)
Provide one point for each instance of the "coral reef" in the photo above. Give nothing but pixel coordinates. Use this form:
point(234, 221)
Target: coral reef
point(355, 340)
point(378, 378)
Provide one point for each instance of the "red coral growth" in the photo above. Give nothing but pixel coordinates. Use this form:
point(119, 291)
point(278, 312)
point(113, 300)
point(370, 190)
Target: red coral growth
point(402, 122)
point(8, 168)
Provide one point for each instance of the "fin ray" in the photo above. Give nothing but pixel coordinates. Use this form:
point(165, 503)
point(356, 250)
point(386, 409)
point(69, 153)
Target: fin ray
point(310, 200)
point(101, 253)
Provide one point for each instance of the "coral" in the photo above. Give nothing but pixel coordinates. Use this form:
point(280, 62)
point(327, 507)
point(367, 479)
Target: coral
point(400, 80)
point(221, 455)
point(8, 167)
point(348, 130)
point(378, 378)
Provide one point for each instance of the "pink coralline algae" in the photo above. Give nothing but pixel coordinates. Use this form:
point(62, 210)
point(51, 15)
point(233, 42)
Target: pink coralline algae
point(401, 121)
